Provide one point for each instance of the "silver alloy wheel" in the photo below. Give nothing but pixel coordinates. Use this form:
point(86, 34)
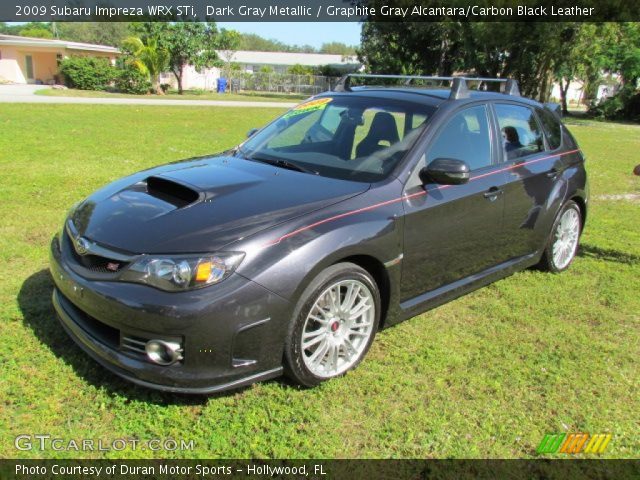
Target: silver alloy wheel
point(338, 328)
point(566, 238)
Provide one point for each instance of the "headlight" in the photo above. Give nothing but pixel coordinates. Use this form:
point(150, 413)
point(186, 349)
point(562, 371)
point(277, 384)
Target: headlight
point(182, 272)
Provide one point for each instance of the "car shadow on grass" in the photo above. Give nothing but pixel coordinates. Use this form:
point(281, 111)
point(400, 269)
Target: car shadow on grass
point(607, 254)
point(34, 300)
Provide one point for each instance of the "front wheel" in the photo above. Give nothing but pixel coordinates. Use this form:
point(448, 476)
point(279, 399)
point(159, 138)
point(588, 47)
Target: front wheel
point(563, 243)
point(333, 325)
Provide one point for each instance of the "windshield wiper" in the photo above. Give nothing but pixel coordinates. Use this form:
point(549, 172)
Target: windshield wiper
point(282, 164)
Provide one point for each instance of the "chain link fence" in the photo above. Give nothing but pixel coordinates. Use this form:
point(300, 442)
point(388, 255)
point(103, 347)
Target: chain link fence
point(280, 83)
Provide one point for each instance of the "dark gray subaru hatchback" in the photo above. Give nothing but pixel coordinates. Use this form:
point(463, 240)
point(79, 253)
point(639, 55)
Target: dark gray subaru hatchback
point(355, 210)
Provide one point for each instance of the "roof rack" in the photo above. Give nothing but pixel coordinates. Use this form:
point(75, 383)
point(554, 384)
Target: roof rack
point(459, 87)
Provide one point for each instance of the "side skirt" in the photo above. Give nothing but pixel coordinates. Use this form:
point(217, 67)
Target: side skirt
point(434, 298)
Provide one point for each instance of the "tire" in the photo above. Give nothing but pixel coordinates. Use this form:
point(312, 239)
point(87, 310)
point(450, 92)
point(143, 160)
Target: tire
point(344, 329)
point(564, 239)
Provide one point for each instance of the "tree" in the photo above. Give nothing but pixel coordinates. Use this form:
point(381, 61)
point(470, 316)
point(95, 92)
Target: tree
point(188, 43)
point(527, 52)
point(36, 33)
point(338, 48)
point(298, 69)
point(585, 58)
point(102, 33)
point(624, 53)
point(253, 42)
point(149, 57)
point(228, 43)
point(30, 29)
point(410, 48)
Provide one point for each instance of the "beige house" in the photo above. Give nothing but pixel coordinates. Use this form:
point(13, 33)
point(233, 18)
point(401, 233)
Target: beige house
point(36, 60)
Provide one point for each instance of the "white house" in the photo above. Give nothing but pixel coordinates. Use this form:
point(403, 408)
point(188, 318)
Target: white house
point(576, 93)
point(253, 62)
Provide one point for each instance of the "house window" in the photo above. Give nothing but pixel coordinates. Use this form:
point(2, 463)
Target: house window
point(28, 59)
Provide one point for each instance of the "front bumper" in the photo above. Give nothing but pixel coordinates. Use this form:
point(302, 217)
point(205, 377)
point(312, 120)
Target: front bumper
point(232, 333)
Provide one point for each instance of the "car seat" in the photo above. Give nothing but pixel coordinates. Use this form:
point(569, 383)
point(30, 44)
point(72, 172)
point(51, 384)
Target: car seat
point(383, 128)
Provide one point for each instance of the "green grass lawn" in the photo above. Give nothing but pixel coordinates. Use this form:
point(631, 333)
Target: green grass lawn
point(188, 95)
point(484, 376)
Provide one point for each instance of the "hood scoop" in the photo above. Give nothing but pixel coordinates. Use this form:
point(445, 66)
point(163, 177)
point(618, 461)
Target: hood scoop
point(171, 192)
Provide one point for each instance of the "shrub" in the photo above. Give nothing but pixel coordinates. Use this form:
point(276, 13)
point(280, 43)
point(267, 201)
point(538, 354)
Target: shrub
point(87, 73)
point(132, 80)
point(624, 105)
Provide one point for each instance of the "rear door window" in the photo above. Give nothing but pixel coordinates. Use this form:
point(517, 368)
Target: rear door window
point(552, 128)
point(521, 134)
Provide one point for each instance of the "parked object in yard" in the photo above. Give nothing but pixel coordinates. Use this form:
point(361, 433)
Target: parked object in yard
point(221, 85)
point(355, 210)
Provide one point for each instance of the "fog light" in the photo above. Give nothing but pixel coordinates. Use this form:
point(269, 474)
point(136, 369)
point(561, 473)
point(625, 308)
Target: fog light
point(163, 353)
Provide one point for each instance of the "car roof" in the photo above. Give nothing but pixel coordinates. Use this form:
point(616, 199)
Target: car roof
point(434, 97)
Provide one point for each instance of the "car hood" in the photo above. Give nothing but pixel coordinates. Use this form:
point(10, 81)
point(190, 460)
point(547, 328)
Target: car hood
point(201, 205)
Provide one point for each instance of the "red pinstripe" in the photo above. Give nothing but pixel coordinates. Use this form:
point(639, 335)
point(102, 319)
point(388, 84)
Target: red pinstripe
point(406, 197)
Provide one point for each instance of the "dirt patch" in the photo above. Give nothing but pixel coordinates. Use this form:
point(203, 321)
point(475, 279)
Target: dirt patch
point(632, 197)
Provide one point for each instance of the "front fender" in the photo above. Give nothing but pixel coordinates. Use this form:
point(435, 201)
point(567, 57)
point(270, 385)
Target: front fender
point(285, 259)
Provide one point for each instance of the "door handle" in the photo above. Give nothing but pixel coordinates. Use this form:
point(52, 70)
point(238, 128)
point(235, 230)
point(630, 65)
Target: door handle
point(553, 173)
point(492, 193)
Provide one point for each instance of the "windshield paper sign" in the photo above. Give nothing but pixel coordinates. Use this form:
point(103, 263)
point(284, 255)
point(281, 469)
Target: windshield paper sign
point(311, 106)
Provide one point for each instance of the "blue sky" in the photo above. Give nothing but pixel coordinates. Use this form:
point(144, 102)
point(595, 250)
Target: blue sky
point(301, 33)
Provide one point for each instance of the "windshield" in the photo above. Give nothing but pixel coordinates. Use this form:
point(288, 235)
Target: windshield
point(350, 138)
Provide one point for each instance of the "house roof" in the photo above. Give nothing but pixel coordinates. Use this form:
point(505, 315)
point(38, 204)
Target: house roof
point(15, 40)
point(290, 58)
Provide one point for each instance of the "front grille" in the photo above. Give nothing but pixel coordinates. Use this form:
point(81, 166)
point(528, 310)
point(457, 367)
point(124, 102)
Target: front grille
point(94, 263)
point(99, 264)
point(133, 344)
point(102, 332)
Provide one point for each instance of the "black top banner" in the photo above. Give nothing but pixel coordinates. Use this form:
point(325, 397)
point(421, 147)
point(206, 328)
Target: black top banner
point(320, 10)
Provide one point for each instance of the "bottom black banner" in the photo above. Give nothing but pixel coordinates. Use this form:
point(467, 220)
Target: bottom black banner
point(320, 469)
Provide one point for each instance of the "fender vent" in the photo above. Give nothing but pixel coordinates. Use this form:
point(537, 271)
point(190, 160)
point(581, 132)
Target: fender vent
point(171, 192)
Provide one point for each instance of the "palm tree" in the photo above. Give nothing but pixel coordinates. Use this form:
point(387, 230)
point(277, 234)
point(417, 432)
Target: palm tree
point(148, 57)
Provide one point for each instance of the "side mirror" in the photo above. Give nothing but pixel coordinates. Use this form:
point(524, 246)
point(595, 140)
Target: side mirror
point(251, 132)
point(446, 171)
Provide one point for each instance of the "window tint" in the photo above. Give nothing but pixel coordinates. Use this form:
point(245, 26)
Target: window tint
point(331, 118)
point(465, 137)
point(297, 133)
point(417, 120)
point(348, 137)
point(380, 129)
point(521, 134)
point(552, 129)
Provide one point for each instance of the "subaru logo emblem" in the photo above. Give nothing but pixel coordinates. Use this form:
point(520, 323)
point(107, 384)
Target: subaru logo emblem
point(82, 246)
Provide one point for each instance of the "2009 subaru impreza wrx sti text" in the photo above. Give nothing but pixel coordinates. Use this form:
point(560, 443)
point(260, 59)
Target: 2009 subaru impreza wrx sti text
point(355, 210)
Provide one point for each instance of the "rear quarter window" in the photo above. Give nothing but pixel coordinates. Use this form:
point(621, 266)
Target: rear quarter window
point(551, 127)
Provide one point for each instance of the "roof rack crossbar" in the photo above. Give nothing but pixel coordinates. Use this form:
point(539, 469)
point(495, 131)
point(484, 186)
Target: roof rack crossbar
point(459, 87)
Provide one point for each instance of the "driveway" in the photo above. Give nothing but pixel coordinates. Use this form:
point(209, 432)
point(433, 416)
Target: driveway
point(26, 94)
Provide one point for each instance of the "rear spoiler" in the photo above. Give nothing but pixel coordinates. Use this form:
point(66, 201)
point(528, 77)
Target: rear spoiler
point(555, 108)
